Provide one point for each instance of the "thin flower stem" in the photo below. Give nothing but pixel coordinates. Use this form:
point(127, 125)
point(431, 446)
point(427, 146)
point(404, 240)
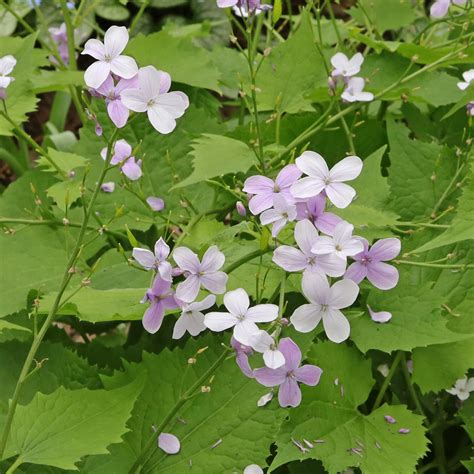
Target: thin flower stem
point(387, 380)
point(250, 256)
point(411, 388)
point(53, 311)
point(139, 14)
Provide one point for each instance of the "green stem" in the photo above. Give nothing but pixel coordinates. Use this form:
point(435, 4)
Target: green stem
point(11, 160)
point(387, 380)
point(18, 461)
point(257, 253)
point(434, 265)
point(138, 16)
point(410, 386)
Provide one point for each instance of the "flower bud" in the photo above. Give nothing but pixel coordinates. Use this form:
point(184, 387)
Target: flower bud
point(240, 209)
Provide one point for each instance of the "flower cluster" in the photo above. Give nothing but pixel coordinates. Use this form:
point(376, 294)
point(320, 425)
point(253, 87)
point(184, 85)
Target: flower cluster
point(7, 64)
point(468, 77)
point(244, 8)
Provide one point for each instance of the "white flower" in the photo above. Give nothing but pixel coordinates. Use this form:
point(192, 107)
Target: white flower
point(7, 63)
point(253, 469)
point(282, 212)
point(343, 66)
point(354, 91)
point(152, 97)
point(240, 316)
point(468, 77)
point(320, 178)
point(192, 319)
point(109, 57)
point(265, 344)
point(462, 388)
point(325, 303)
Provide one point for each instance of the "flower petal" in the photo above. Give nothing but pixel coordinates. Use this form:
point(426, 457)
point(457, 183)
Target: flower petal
point(212, 260)
point(134, 100)
point(289, 394)
point(237, 302)
point(118, 113)
point(385, 249)
point(214, 282)
point(115, 40)
point(356, 272)
point(244, 332)
point(308, 374)
point(316, 288)
point(346, 170)
point(379, 316)
point(382, 275)
point(340, 194)
point(161, 120)
point(94, 48)
point(306, 236)
point(96, 74)
point(270, 377)
point(153, 318)
point(218, 321)
point(258, 185)
point(260, 203)
point(262, 313)
point(287, 176)
point(188, 289)
point(307, 187)
point(343, 294)
point(186, 259)
point(291, 352)
point(306, 317)
point(336, 325)
point(313, 164)
point(273, 358)
point(169, 443)
point(144, 257)
point(124, 66)
point(289, 258)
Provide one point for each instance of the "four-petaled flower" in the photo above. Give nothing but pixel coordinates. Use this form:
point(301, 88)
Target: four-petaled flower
point(192, 318)
point(265, 344)
point(7, 63)
point(157, 260)
point(468, 77)
point(314, 210)
point(288, 375)
point(462, 388)
point(281, 213)
point(345, 67)
point(354, 91)
point(240, 316)
point(122, 156)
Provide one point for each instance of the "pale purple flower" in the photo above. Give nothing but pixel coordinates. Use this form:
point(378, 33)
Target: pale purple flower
point(462, 388)
point(192, 318)
point(7, 64)
point(314, 210)
point(320, 178)
point(265, 189)
point(169, 443)
point(370, 263)
point(354, 91)
point(281, 213)
point(288, 376)
point(242, 353)
point(122, 156)
point(303, 258)
point(108, 187)
point(379, 316)
point(468, 77)
point(157, 260)
point(240, 316)
point(161, 298)
point(345, 67)
point(265, 344)
point(325, 303)
point(109, 57)
point(341, 244)
point(59, 36)
point(245, 11)
point(240, 208)
point(156, 204)
point(253, 469)
point(152, 97)
point(205, 273)
point(440, 7)
point(118, 113)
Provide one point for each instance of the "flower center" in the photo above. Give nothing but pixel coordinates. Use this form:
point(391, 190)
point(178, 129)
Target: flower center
point(324, 307)
point(338, 248)
point(290, 374)
point(150, 103)
point(276, 188)
point(107, 58)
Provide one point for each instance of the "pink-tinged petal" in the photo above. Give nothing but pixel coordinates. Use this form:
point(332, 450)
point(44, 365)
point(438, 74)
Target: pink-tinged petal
point(134, 100)
point(343, 294)
point(308, 374)
point(331, 265)
point(273, 359)
point(379, 316)
point(269, 216)
point(149, 79)
point(336, 325)
point(124, 84)
point(219, 321)
point(122, 150)
point(215, 282)
point(115, 40)
point(289, 394)
point(385, 249)
point(316, 288)
point(244, 332)
point(291, 352)
point(124, 66)
point(382, 275)
point(161, 120)
point(346, 170)
point(188, 289)
point(153, 317)
point(307, 187)
point(289, 258)
point(94, 48)
point(243, 363)
point(212, 260)
point(118, 113)
point(144, 257)
point(156, 204)
point(132, 169)
point(166, 271)
point(287, 176)
point(258, 185)
point(352, 247)
point(96, 74)
point(237, 302)
point(262, 313)
point(170, 302)
point(339, 61)
point(169, 443)
point(313, 164)
point(160, 286)
point(356, 272)
point(278, 226)
point(162, 249)
point(187, 259)
point(327, 222)
point(107, 86)
point(439, 8)
point(324, 245)
point(226, 3)
point(172, 103)
point(343, 232)
point(365, 251)
point(317, 204)
point(163, 80)
point(260, 203)
point(340, 194)
point(270, 377)
point(306, 236)
point(306, 317)
point(253, 468)
point(206, 303)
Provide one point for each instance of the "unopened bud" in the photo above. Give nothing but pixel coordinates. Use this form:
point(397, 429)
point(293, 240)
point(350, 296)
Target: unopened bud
point(240, 209)
point(65, 221)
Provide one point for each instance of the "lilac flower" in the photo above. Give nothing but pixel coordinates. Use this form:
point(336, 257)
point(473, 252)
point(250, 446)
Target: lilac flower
point(354, 91)
point(325, 304)
point(109, 57)
point(156, 204)
point(239, 316)
point(253, 469)
point(122, 156)
point(304, 259)
point(242, 353)
point(320, 178)
point(152, 97)
point(157, 260)
point(265, 344)
point(462, 388)
point(169, 443)
point(468, 77)
point(370, 263)
point(288, 376)
point(192, 318)
point(379, 316)
point(205, 273)
point(440, 7)
point(59, 36)
point(264, 189)
point(313, 209)
point(282, 213)
point(7, 64)
point(342, 244)
point(161, 298)
point(345, 67)
point(118, 113)
point(108, 187)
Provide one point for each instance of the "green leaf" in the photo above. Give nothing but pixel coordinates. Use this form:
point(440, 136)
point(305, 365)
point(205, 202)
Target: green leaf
point(65, 193)
point(329, 413)
point(48, 81)
point(217, 155)
point(60, 428)
point(65, 161)
point(111, 10)
point(8, 22)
